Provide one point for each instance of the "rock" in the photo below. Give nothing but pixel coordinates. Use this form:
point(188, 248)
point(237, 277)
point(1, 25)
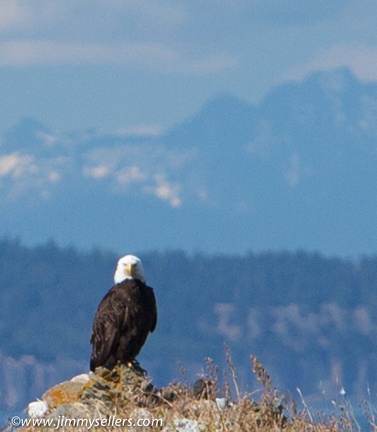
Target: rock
point(185, 425)
point(71, 411)
point(37, 408)
point(96, 388)
point(221, 403)
point(62, 394)
point(82, 378)
point(204, 389)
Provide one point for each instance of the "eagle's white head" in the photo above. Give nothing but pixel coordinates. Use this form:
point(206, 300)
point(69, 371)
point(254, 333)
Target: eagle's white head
point(129, 267)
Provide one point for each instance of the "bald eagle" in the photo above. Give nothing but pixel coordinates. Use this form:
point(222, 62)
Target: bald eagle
point(124, 318)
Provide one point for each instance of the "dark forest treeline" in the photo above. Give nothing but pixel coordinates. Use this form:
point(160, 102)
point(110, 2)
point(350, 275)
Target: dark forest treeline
point(291, 309)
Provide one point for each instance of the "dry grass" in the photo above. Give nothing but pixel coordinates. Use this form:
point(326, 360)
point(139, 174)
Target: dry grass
point(123, 394)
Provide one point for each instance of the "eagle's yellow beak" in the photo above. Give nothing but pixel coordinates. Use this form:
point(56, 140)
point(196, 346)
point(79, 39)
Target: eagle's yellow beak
point(128, 269)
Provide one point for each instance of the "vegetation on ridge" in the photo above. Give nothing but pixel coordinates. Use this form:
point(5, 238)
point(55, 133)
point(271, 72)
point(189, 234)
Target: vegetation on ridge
point(289, 308)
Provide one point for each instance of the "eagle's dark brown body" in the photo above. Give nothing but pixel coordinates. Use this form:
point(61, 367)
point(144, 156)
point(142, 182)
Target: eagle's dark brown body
point(122, 323)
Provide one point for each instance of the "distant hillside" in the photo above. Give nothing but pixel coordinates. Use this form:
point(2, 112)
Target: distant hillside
point(297, 170)
point(293, 310)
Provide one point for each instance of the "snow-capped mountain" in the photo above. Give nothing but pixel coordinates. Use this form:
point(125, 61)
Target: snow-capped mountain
point(297, 170)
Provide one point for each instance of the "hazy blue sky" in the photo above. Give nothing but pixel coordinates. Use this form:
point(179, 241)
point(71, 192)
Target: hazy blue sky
point(116, 65)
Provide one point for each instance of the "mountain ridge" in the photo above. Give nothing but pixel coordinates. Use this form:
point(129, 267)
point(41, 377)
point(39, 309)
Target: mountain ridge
point(295, 171)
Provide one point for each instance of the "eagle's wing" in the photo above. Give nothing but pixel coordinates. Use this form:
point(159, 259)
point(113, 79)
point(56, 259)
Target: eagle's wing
point(109, 319)
point(152, 309)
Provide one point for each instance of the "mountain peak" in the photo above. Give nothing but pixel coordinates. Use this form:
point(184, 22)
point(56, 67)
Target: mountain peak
point(337, 80)
point(28, 134)
point(226, 102)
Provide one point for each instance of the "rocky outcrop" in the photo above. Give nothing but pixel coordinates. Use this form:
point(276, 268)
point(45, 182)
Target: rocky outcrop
point(125, 393)
point(125, 398)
